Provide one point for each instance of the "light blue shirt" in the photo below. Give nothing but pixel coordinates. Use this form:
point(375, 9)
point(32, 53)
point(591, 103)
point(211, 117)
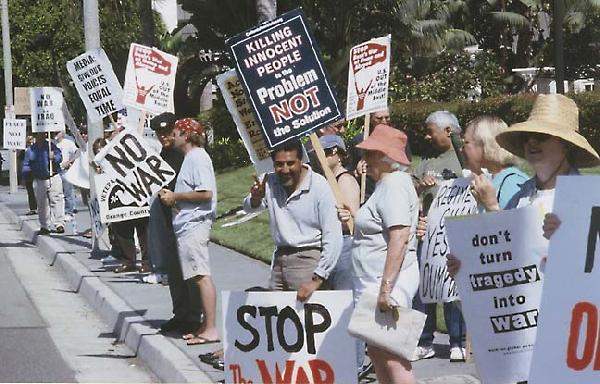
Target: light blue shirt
point(306, 218)
point(196, 174)
point(507, 183)
point(529, 189)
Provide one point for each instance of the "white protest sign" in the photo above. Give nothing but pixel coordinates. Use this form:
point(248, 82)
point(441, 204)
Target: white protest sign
point(368, 77)
point(500, 287)
point(453, 198)
point(46, 109)
point(132, 174)
point(15, 134)
point(97, 225)
point(271, 337)
point(150, 80)
point(248, 128)
point(566, 350)
point(96, 83)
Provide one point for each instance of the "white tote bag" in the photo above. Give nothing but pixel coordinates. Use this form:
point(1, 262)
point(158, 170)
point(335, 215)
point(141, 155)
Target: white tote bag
point(397, 331)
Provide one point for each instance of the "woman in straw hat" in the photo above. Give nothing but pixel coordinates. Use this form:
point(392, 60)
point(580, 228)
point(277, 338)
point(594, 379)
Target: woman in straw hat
point(550, 142)
point(384, 252)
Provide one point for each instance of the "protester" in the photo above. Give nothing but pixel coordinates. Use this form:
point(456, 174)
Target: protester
point(481, 151)
point(27, 179)
point(43, 164)
point(384, 249)
point(194, 204)
point(549, 141)
point(85, 193)
point(439, 126)
point(69, 155)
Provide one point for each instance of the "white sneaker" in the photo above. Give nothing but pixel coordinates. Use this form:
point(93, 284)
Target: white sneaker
point(457, 354)
point(153, 278)
point(423, 353)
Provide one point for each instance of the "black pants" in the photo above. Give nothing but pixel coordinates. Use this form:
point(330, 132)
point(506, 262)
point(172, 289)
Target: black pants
point(30, 193)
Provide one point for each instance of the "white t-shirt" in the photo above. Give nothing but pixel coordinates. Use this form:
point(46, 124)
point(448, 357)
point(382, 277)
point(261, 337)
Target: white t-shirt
point(68, 149)
point(196, 174)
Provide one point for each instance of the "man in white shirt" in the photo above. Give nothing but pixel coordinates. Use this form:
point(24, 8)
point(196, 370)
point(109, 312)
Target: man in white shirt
point(69, 154)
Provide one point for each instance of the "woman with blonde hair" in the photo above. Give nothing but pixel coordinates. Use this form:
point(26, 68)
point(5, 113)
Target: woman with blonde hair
point(482, 152)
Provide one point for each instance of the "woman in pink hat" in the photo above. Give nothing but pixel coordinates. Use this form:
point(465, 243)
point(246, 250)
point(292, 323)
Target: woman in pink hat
point(384, 252)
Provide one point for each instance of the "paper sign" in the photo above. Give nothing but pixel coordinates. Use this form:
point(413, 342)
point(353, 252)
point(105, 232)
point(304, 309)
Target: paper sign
point(453, 198)
point(271, 337)
point(500, 285)
point(132, 174)
point(368, 77)
point(566, 350)
point(22, 104)
point(150, 80)
point(15, 134)
point(96, 83)
point(46, 109)
point(249, 129)
point(284, 78)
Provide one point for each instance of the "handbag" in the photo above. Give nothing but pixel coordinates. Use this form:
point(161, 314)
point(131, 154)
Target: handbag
point(396, 331)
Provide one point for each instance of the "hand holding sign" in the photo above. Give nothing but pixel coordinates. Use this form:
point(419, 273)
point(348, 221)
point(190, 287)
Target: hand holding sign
point(258, 189)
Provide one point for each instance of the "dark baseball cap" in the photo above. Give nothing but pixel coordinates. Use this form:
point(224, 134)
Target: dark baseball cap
point(163, 122)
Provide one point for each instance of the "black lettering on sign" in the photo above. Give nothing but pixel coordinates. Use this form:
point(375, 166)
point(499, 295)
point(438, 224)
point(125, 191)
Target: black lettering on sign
point(127, 139)
point(289, 313)
point(514, 321)
point(154, 163)
point(119, 162)
point(268, 313)
point(251, 310)
point(312, 327)
point(593, 234)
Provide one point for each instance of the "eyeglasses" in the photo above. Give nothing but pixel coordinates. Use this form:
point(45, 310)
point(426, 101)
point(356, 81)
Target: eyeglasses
point(330, 151)
point(539, 137)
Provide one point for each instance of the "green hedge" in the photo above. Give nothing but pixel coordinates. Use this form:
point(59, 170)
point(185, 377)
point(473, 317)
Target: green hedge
point(228, 150)
point(512, 109)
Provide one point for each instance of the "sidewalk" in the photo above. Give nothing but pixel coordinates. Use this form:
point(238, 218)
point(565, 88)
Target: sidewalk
point(135, 310)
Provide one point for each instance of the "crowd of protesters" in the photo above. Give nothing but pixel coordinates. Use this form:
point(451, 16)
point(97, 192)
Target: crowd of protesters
point(373, 247)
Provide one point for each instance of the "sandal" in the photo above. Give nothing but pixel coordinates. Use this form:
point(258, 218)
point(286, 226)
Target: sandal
point(124, 268)
point(199, 340)
point(208, 358)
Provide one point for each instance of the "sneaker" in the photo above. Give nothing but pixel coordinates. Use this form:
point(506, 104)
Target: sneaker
point(109, 260)
point(365, 370)
point(153, 278)
point(31, 213)
point(59, 229)
point(423, 352)
point(457, 354)
point(43, 232)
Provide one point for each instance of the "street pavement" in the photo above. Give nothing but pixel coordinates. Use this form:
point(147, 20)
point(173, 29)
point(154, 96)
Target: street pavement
point(151, 303)
point(48, 333)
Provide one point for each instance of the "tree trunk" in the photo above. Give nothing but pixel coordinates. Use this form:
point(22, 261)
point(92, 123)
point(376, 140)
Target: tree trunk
point(266, 10)
point(147, 20)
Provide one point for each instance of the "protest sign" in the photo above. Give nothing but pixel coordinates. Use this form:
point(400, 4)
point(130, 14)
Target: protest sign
point(271, 337)
point(15, 134)
point(500, 287)
point(453, 198)
point(566, 349)
point(22, 104)
point(96, 83)
point(368, 77)
point(46, 109)
point(284, 78)
point(131, 174)
point(241, 111)
point(150, 80)
point(97, 225)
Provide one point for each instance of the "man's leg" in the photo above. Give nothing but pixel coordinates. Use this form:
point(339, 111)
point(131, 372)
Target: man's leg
point(454, 323)
point(41, 197)
point(160, 244)
point(30, 194)
point(69, 194)
point(298, 268)
point(57, 201)
point(208, 296)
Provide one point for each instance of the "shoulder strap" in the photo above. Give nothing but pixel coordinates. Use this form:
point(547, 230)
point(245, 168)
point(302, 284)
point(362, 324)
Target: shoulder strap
point(502, 184)
point(337, 178)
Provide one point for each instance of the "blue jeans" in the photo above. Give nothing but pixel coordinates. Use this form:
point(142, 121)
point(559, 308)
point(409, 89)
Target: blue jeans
point(452, 316)
point(69, 193)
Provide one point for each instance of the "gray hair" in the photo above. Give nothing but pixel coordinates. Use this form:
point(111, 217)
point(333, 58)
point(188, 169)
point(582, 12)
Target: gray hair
point(396, 166)
point(485, 129)
point(443, 119)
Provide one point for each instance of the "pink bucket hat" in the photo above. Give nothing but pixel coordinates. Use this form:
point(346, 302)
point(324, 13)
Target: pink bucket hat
point(389, 141)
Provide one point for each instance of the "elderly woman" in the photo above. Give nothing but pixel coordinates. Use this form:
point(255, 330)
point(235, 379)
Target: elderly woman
point(550, 142)
point(481, 151)
point(384, 250)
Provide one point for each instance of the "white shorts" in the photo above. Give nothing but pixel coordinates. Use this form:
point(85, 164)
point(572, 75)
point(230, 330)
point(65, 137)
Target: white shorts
point(403, 291)
point(193, 251)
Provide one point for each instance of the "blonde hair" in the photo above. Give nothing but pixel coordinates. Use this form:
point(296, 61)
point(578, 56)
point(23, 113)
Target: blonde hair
point(485, 128)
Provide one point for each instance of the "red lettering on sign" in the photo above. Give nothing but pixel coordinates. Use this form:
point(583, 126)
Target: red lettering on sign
point(591, 334)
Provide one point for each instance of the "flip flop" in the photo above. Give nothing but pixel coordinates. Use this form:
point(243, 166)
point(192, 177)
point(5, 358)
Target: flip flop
point(208, 358)
point(199, 340)
point(189, 336)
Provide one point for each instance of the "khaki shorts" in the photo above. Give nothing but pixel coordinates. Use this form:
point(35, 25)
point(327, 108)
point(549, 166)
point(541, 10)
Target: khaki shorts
point(193, 251)
point(293, 268)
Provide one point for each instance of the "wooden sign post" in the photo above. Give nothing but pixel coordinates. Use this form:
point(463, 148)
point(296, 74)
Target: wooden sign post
point(363, 176)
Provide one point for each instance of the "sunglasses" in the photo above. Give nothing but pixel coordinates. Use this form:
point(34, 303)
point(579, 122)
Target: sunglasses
point(539, 137)
point(330, 151)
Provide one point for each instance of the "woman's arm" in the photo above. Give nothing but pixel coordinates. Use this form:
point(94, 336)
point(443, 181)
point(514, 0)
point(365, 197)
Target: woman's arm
point(351, 192)
point(397, 245)
point(169, 198)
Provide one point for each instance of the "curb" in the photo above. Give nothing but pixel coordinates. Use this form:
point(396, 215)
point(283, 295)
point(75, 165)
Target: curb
point(162, 357)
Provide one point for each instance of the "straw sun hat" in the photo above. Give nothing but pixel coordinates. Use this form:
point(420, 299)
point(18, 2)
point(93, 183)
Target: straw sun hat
point(554, 115)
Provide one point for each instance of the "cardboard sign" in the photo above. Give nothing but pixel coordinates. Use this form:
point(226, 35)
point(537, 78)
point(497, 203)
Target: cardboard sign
point(368, 77)
point(150, 80)
point(132, 174)
point(96, 83)
point(46, 109)
point(500, 285)
point(453, 198)
point(270, 337)
point(284, 78)
point(15, 134)
point(566, 350)
point(22, 104)
point(249, 129)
